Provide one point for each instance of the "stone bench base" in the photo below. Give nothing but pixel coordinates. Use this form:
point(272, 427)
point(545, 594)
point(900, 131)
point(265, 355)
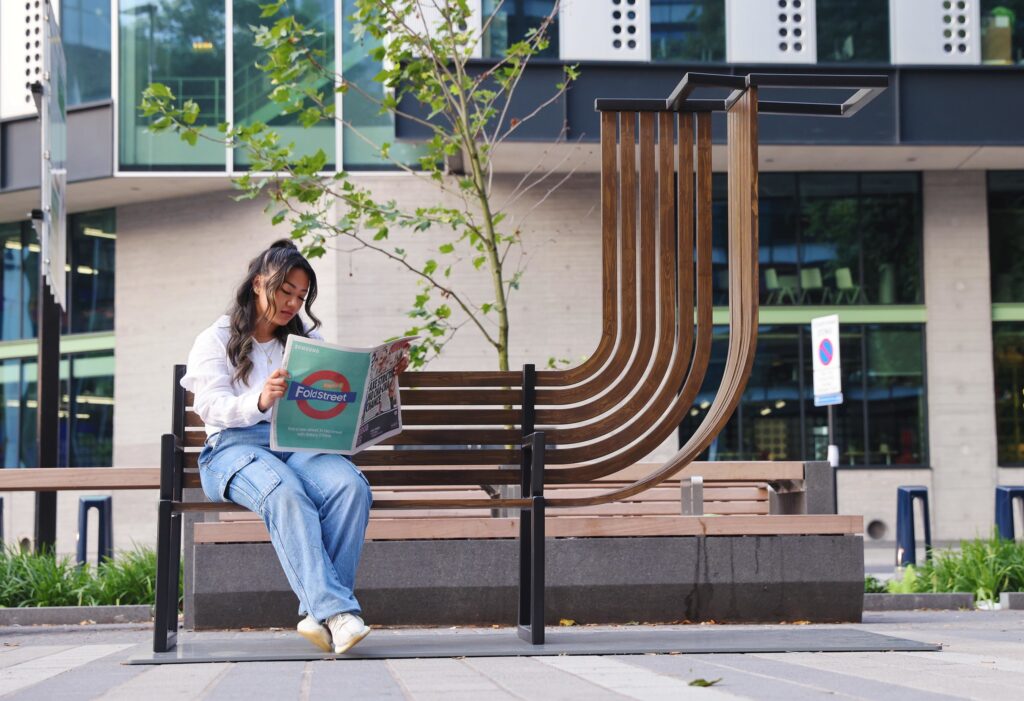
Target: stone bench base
point(590, 580)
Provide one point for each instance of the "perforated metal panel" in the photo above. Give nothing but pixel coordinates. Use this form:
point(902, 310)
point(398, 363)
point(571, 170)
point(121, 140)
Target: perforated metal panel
point(771, 31)
point(605, 30)
point(935, 31)
point(21, 55)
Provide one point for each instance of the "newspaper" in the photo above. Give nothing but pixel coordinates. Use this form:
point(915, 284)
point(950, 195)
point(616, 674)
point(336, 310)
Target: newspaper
point(339, 400)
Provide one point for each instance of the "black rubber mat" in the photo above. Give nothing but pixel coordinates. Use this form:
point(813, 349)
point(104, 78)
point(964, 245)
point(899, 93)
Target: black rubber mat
point(395, 644)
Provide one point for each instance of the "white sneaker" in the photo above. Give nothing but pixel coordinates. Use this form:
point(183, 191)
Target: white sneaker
point(346, 630)
point(315, 632)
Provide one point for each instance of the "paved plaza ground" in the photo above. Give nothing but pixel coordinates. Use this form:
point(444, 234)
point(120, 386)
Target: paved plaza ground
point(982, 658)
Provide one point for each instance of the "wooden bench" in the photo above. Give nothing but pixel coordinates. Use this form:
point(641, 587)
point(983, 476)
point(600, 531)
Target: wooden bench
point(584, 424)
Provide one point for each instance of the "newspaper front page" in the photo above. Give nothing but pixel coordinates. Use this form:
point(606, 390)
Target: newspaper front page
point(339, 400)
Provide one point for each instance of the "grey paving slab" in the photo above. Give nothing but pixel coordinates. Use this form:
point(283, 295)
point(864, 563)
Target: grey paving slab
point(12, 653)
point(774, 680)
point(633, 682)
point(167, 683)
point(445, 679)
point(34, 671)
point(560, 642)
point(368, 679)
point(531, 679)
point(89, 681)
point(269, 680)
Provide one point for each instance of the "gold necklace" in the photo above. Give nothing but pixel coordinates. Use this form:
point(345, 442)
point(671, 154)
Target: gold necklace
point(269, 355)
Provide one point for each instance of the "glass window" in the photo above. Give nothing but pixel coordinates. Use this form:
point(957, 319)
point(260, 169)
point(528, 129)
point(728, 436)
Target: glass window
point(853, 31)
point(85, 413)
point(90, 281)
point(511, 22)
point(688, 30)
point(1008, 348)
point(85, 31)
point(365, 126)
point(882, 419)
point(252, 86)
point(1006, 235)
point(831, 238)
point(91, 266)
point(1002, 31)
point(179, 43)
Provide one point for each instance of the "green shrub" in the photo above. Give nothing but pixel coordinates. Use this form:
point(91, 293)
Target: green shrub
point(984, 568)
point(873, 586)
point(30, 579)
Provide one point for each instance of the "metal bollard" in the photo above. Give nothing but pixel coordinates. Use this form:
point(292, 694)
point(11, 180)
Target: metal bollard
point(905, 541)
point(105, 539)
point(1005, 498)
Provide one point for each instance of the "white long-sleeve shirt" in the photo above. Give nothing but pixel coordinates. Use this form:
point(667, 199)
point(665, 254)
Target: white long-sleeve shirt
point(219, 401)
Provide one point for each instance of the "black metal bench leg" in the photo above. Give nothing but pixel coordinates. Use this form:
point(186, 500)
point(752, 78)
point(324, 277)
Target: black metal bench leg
point(531, 548)
point(168, 548)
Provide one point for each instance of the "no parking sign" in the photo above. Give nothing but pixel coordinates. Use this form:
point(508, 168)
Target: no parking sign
point(828, 385)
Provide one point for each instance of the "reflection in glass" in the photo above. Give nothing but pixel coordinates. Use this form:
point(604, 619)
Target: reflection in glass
point(1006, 235)
point(85, 31)
point(1008, 347)
point(179, 43)
point(511, 22)
point(366, 128)
point(688, 30)
point(831, 239)
point(252, 86)
point(91, 289)
point(1002, 31)
point(89, 406)
point(853, 31)
point(882, 419)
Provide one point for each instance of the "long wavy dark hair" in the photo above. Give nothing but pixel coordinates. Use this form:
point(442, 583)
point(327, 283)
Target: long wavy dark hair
point(272, 267)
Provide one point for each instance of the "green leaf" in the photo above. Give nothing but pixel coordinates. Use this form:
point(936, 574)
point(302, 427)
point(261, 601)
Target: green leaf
point(447, 248)
point(705, 682)
point(429, 267)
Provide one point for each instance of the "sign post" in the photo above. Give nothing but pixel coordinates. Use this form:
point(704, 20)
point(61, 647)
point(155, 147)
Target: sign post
point(828, 383)
point(49, 221)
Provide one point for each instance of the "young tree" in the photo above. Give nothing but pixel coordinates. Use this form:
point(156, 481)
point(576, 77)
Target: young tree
point(425, 49)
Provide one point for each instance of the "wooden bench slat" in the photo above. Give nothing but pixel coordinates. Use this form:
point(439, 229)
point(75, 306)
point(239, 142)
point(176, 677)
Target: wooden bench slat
point(596, 526)
point(30, 479)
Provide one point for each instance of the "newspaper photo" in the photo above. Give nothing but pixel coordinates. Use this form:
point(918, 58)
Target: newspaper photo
point(339, 400)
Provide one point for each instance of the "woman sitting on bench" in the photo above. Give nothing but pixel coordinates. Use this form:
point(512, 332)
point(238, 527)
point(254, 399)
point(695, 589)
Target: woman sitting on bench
point(315, 506)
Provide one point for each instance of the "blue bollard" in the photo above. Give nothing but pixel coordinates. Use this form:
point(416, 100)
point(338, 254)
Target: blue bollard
point(1005, 497)
point(105, 539)
point(905, 541)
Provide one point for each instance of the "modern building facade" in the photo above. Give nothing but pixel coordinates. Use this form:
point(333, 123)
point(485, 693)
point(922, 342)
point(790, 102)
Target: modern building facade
point(906, 221)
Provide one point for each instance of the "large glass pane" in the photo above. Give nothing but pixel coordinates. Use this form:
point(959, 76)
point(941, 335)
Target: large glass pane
point(895, 395)
point(688, 30)
point(890, 222)
point(770, 407)
point(1006, 235)
point(853, 31)
point(10, 412)
point(90, 410)
point(91, 298)
point(1008, 348)
point(1002, 31)
point(179, 43)
point(719, 240)
point(13, 283)
point(85, 31)
point(727, 445)
point(830, 237)
point(511, 22)
point(366, 127)
point(252, 85)
point(777, 225)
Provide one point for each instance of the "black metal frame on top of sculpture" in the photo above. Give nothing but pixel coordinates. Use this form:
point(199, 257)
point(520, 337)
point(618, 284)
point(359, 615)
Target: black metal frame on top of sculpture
point(627, 431)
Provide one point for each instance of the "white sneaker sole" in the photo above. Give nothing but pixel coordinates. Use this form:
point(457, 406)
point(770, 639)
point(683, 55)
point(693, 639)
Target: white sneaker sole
point(352, 642)
point(321, 638)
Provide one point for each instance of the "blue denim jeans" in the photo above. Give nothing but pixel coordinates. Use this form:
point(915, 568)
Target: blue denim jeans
point(315, 506)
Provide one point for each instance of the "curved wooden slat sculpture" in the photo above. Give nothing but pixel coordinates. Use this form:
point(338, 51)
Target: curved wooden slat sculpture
point(639, 383)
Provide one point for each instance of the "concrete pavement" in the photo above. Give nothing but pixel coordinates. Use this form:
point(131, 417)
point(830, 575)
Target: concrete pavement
point(982, 658)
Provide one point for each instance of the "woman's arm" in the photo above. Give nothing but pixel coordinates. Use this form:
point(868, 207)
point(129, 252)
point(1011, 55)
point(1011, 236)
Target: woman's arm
point(209, 378)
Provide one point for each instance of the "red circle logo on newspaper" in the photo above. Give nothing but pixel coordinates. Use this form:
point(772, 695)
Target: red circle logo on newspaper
point(337, 382)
